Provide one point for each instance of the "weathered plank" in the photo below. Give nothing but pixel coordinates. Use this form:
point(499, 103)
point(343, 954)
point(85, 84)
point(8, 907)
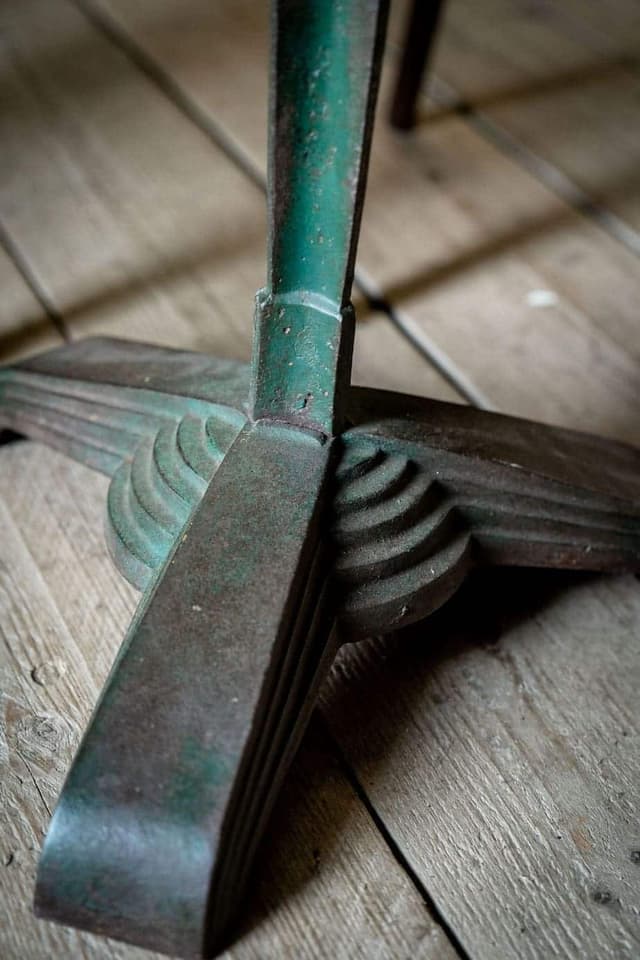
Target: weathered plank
point(427, 793)
point(122, 184)
point(561, 78)
point(63, 613)
point(24, 326)
point(454, 232)
point(506, 770)
point(61, 628)
point(499, 745)
point(157, 236)
point(48, 684)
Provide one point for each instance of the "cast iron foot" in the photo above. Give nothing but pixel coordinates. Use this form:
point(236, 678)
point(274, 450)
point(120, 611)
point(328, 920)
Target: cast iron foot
point(244, 608)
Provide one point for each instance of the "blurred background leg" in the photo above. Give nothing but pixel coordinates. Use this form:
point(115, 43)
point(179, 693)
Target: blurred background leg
point(419, 39)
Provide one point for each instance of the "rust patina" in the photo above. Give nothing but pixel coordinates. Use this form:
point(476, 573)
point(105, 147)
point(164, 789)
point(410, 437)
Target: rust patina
point(270, 512)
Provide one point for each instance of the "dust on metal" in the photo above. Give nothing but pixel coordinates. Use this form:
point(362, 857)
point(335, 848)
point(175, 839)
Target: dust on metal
point(269, 513)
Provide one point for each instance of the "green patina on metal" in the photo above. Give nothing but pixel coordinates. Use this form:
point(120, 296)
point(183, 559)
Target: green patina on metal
point(264, 535)
point(160, 448)
point(324, 81)
point(200, 772)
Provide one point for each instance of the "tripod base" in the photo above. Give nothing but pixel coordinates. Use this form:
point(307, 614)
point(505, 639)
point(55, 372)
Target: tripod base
point(251, 541)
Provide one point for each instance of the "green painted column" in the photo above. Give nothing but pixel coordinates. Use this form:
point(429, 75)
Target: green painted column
point(323, 88)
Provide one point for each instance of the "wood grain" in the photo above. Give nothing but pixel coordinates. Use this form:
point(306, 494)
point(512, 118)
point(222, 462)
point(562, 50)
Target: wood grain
point(498, 743)
point(325, 875)
point(561, 78)
point(454, 232)
point(157, 235)
point(24, 325)
point(124, 234)
point(505, 774)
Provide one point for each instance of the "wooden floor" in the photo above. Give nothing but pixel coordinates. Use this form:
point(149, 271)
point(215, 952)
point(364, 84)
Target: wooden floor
point(471, 790)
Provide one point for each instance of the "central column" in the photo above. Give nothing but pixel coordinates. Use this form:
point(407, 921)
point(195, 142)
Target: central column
point(324, 80)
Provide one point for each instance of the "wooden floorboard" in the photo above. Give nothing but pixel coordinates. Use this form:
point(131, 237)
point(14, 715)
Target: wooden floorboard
point(465, 256)
point(562, 78)
point(158, 236)
point(499, 746)
point(132, 232)
point(24, 326)
point(325, 881)
point(496, 746)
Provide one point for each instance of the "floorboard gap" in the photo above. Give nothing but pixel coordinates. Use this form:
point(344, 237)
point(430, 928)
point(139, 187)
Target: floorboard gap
point(446, 97)
point(108, 26)
point(394, 847)
point(420, 341)
point(21, 264)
